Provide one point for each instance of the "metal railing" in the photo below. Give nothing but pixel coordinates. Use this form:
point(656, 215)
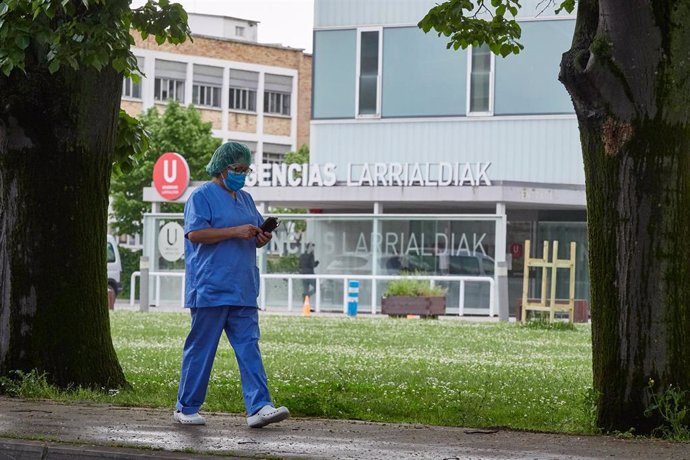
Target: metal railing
point(157, 282)
point(373, 278)
point(290, 277)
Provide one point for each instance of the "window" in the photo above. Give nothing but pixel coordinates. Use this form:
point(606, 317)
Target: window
point(165, 88)
point(243, 99)
point(206, 89)
point(277, 94)
point(110, 254)
point(481, 81)
point(243, 86)
point(488, 266)
point(368, 81)
point(239, 31)
point(278, 103)
point(464, 265)
point(275, 153)
point(206, 95)
point(130, 88)
point(170, 81)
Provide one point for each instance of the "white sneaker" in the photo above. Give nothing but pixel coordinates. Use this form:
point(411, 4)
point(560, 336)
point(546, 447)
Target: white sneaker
point(191, 419)
point(267, 414)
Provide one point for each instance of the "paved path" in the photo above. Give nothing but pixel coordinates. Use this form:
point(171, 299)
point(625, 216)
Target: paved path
point(49, 430)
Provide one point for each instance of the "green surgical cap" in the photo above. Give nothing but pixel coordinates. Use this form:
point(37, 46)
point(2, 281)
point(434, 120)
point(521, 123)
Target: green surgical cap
point(228, 154)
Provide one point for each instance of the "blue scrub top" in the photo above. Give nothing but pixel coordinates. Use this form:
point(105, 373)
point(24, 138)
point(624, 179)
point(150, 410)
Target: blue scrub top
point(224, 273)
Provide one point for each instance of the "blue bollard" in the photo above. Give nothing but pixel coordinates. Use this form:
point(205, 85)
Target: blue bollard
point(352, 297)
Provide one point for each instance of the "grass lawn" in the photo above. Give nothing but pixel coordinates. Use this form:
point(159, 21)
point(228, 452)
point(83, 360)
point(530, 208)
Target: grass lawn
point(444, 372)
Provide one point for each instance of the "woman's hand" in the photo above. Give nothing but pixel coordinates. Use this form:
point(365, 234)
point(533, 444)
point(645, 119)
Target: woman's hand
point(246, 232)
point(262, 238)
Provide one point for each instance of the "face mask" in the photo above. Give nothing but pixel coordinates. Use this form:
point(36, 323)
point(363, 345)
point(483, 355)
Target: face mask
point(234, 181)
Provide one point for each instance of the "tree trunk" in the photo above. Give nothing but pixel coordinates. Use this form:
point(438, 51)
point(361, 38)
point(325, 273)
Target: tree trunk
point(628, 76)
point(57, 135)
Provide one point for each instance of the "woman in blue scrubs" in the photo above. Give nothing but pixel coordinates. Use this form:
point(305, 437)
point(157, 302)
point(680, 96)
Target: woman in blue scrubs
point(221, 225)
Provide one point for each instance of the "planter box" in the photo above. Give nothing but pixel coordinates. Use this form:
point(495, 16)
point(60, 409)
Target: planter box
point(408, 305)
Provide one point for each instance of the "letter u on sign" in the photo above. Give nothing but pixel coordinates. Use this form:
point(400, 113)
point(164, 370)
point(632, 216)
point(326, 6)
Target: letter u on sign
point(167, 175)
point(171, 176)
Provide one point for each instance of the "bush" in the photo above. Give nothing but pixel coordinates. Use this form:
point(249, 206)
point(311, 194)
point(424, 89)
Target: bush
point(283, 264)
point(130, 264)
point(413, 287)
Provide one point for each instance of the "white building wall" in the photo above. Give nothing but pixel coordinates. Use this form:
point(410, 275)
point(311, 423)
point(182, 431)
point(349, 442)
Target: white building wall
point(223, 27)
point(526, 149)
point(349, 13)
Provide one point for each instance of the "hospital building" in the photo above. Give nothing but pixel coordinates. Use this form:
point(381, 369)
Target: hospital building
point(424, 160)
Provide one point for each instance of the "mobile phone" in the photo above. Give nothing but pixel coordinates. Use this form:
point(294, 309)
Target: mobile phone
point(270, 224)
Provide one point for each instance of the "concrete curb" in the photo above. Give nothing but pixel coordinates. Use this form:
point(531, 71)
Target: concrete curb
point(41, 450)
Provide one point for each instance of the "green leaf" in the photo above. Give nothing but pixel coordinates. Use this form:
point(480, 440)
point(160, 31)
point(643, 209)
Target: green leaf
point(22, 41)
point(50, 12)
point(7, 67)
point(53, 67)
point(567, 5)
point(119, 64)
point(71, 60)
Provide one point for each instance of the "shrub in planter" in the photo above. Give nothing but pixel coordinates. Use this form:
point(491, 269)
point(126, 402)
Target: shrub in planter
point(410, 296)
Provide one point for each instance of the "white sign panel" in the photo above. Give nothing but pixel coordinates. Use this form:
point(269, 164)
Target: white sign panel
point(372, 175)
point(171, 241)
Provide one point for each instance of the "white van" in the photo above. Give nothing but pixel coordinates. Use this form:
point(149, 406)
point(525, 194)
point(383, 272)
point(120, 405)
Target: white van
point(114, 264)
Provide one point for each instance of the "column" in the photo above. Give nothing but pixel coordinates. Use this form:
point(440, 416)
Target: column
point(375, 253)
point(501, 274)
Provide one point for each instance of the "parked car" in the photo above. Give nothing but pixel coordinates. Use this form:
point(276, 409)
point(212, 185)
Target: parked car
point(472, 265)
point(114, 264)
point(462, 264)
point(360, 264)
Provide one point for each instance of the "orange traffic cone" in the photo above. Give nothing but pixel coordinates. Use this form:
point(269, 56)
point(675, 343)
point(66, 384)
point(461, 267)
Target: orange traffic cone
point(306, 309)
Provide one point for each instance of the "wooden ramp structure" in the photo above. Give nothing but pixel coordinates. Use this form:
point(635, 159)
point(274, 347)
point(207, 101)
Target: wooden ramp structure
point(547, 301)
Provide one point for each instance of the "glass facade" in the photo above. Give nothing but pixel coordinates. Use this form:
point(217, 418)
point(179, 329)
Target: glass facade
point(457, 251)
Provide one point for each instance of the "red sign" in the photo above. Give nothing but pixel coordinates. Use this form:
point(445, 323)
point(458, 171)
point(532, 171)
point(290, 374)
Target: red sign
point(516, 250)
point(171, 175)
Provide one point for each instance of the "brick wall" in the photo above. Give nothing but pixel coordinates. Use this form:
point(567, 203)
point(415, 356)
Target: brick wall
point(242, 122)
point(277, 125)
point(134, 109)
point(304, 106)
point(255, 54)
point(214, 116)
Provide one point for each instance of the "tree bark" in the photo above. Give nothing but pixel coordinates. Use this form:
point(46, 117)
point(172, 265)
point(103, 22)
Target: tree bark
point(57, 135)
point(629, 80)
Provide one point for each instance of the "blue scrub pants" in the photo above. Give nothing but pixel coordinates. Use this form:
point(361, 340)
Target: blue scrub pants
point(241, 325)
